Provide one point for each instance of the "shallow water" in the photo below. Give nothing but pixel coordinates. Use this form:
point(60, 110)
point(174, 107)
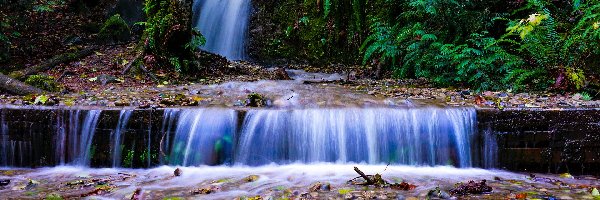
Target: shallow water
point(277, 181)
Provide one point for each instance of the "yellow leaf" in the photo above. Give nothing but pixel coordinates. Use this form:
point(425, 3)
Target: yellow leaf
point(99, 54)
point(596, 25)
point(160, 86)
point(124, 62)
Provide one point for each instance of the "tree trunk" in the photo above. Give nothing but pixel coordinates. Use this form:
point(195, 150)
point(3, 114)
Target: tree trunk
point(17, 87)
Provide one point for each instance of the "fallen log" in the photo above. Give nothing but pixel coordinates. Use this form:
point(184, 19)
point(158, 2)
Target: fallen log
point(62, 58)
point(17, 87)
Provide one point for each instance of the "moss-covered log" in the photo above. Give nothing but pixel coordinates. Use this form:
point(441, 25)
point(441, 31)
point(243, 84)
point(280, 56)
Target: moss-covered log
point(17, 87)
point(67, 57)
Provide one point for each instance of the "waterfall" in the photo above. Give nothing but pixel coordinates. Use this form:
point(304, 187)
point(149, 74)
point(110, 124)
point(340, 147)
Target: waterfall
point(223, 23)
point(203, 136)
point(80, 145)
point(426, 136)
point(419, 136)
point(116, 136)
point(169, 117)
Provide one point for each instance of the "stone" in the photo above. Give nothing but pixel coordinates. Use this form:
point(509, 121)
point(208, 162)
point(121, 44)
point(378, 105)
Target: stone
point(4, 182)
point(177, 172)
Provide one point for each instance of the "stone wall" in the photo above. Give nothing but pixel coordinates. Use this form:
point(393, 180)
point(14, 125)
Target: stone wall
point(517, 140)
point(545, 140)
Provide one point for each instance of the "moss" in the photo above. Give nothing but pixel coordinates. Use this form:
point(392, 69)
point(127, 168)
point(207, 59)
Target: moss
point(43, 82)
point(115, 29)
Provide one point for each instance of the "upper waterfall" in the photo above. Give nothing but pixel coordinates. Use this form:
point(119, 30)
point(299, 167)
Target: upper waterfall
point(224, 24)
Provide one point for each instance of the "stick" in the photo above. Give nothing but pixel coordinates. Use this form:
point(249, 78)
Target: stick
point(149, 73)
point(369, 181)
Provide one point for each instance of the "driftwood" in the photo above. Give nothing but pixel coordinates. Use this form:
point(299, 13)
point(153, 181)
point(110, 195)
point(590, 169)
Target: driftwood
point(363, 175)
point(66, 57)
point(17, 87)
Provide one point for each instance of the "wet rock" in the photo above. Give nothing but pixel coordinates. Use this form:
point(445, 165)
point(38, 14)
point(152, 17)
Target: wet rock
point(251, 178)
point(122, 103)
point(106, 79)
point(403, 186)
point(281, 74)
point(177, 172)
point(471, 188)
point(4, 182)
point(255, 100)
point(78, 182)
point(318, 186)
point(137, 195)
point(438, 193)
point(207, 190)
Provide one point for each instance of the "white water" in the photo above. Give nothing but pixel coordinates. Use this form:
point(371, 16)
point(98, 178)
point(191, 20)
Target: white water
point(76, 149)
point(296, 177)
point(202, 135)
point(116, 136)
point(417, 136)
point(223, 23)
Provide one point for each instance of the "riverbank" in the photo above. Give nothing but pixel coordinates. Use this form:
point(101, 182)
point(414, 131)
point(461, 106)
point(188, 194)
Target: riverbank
point(232, 88)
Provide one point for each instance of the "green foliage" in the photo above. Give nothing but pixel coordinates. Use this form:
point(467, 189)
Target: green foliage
point(128, 162)
point(115, 29)
point(46, 6)
point(43, 82)
point(168, 34)
point(483, 45)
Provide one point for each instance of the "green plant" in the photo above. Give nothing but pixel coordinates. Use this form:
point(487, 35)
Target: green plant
point(168, 34)
point(128, 161)
point(586, 96)
point(46, 6)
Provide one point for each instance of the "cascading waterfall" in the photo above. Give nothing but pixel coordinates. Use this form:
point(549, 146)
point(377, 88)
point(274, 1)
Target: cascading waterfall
point(214, 136)
point(224, 24)
point(80, 143)
point(203, 136)
point(169, 117)
point(116, 137)
point(420, 136)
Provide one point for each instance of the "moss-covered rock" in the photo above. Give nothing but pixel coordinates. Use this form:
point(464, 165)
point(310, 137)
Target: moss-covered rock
point(115, 29)
point(43, 82)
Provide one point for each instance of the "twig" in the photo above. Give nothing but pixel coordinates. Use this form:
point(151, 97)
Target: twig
point(149, 73)
point(363, 175)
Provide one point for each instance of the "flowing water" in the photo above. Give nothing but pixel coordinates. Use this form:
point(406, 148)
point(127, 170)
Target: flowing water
point(203, 136)
point(224, 24)
point(419, 136)
point(117, 137)
point(74, 138)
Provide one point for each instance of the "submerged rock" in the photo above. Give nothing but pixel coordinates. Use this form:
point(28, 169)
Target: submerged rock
point(471, 188)
point(4, 182)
